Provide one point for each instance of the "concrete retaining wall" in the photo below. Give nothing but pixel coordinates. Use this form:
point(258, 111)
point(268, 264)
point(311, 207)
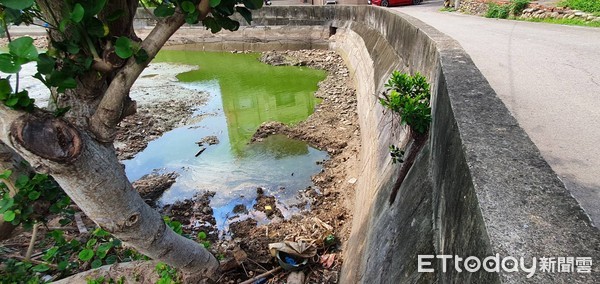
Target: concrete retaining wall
point(479, 188)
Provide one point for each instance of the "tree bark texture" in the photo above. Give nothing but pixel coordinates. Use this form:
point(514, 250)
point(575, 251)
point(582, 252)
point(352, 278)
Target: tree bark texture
point(91, 175)
point(111, 108)
point(82, 159)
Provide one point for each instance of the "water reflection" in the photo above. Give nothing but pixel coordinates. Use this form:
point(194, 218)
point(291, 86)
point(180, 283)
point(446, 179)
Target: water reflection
point(235, 109)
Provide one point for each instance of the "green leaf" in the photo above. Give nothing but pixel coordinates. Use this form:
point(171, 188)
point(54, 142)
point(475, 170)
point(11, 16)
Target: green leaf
point(104, 247)
point(6, 173)
point(40, 268)
point(5, 91)
point(111, 259)
point(12, 102)
point(141, 56)
point(17, 4)
point(9, 215)
point(8, 65)
point(253, 4)
point(45, 63)
point(192, 18)
point(77, 13)
point(164, 10)
point(91, 242)
point(21, 181)
point(96, 263)
point(68, 83)
point(93, 7)
point(72, 47)
point(6, 203)
point(188, 6)
point(123, 47)
point(62, 26)
point(245, 13)
point(214, 3)
point(100, 254)
point(86, 254)
point(201, 235)
point(62, 265)
point(211, 23)
point(34, 195)
point(23, 48)
point(50, 253)
point(95, 27)
point(99, 232)
point(24, 100)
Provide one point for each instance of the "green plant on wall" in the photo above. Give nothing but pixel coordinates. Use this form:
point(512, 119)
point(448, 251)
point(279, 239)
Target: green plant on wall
point(409, 97)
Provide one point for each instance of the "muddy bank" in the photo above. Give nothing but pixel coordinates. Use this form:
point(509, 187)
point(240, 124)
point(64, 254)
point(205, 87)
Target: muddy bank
point(162, 105)
point(332, 127)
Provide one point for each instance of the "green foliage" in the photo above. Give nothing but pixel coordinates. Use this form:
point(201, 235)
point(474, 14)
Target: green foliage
point(572, 22)
point(409, 97)
point(102, 280)
point(591, 6)
point(448, 9)
point(397, 154)
point(497, 11)
point(174, 225)
point(101, 248)
point(17, 4)
point(15, 271)
point(168, 275)
point(517, 6)
point(500, 11)
point(35, 198)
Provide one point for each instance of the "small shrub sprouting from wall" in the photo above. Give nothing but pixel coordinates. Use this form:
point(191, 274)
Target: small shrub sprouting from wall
point(409, 97)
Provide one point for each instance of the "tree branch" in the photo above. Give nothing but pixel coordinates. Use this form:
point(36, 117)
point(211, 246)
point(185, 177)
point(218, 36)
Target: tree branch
point(109, 112)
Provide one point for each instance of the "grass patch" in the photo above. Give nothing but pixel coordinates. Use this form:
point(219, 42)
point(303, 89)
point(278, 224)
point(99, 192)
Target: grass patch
point(514, 8)
point(590, 6)
point(497, 11)
point(448, 9)
point(570, 22)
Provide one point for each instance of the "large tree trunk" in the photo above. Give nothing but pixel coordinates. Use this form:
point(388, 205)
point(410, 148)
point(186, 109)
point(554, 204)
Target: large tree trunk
point(84, 162)
point(90, 174)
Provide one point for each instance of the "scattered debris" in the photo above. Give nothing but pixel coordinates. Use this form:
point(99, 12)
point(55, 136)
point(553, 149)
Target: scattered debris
point(200, 152)
point(210, 140)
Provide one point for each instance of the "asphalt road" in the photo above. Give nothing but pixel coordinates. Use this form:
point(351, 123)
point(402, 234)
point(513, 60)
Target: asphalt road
point(549, 78)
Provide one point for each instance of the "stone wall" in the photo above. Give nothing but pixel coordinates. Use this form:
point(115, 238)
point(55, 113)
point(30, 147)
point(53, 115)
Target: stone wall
point(536, 11)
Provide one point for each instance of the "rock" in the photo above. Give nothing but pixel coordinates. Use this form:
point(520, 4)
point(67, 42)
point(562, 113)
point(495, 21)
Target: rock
point(152, 186)
point(352, 181)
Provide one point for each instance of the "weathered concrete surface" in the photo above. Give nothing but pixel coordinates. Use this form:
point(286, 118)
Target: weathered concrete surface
point(492, 191)
point(548, 77)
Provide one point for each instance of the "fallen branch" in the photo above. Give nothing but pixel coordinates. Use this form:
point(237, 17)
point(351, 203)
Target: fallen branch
point(270, 272)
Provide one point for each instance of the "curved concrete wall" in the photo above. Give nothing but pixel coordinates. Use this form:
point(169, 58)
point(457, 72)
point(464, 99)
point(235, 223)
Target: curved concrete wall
point(479, 188)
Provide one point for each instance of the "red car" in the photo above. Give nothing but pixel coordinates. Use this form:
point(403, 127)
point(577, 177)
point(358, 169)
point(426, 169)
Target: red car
point(387, 3)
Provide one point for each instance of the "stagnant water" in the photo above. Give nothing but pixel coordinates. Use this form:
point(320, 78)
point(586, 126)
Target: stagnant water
point(243, 94)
